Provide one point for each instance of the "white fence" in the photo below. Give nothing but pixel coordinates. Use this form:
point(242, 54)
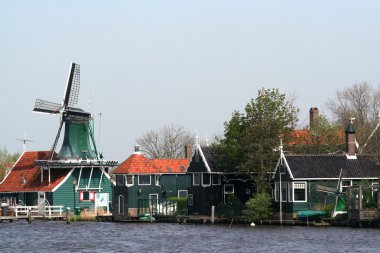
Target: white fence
point(49, 212)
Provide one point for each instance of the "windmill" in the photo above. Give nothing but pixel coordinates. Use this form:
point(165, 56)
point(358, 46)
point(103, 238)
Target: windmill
point(340, 203)
point(78, 123)
point(24, 141)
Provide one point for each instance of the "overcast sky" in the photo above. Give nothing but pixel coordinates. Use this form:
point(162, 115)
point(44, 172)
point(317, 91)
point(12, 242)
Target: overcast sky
point(145, 64)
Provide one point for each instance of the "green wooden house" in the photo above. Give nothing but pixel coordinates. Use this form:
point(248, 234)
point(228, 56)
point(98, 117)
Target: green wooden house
point(298, 179)
point(144, 185)
point(34, 180)
point(212, 186)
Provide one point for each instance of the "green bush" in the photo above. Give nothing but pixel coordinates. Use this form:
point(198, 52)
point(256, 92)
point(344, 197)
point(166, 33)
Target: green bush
point(259, 207)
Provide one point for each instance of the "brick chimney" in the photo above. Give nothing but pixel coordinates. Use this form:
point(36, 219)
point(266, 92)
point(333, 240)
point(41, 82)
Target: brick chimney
point(188, 151)
point(314, 115)
point(350, 139)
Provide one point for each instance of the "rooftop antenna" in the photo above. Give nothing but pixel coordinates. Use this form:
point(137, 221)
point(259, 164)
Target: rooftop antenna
point(24, 141)
point(100, 124)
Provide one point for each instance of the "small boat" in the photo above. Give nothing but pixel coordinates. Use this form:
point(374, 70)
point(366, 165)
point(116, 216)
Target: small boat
point(146, 217)
point(311, 215)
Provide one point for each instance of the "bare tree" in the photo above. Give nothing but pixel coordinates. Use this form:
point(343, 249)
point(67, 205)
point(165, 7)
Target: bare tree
point(359, 101)
point(168, 142)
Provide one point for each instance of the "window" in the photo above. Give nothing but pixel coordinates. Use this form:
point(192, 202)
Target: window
point(196, 179)
point(120, 180)
point(375, 187)
point(121, 204)
point(190, 199)
point(299, 192)
point(228, 192)
point(129, 180)
point(157, 179)
point(206, 179)
point(248, 191)
point(229, 188)
point(87, 196)
point(277, 191)
point(196, 156)
point(216, 179)
point(345, 184)
point(182, 194)
point(144, 180)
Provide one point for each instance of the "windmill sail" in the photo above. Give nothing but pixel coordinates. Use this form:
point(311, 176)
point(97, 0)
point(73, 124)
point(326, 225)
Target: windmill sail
point(77, 134)
point(340, 202)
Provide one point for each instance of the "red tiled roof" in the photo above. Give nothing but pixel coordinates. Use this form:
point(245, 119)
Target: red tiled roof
point(139, 164)
point(305, 137)
point(25, 168)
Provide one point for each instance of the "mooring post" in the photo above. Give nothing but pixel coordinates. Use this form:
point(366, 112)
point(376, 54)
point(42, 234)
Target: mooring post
point(68, 215)
point(29, 215)
point(212, 214)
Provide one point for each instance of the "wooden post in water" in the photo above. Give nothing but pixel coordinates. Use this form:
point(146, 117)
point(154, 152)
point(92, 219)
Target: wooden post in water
point(212, 214)
point(68, 215)
point(29, 215)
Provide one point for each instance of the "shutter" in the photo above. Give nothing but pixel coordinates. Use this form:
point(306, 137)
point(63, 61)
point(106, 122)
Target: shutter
point(81, 196)
point(92, 196)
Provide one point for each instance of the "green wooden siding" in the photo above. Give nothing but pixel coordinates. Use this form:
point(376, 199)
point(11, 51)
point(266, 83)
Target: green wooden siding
point(168, 187)
point(65, 194)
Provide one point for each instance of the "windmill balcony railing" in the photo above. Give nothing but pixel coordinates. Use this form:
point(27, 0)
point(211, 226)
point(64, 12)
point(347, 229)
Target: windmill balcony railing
point(48, 211)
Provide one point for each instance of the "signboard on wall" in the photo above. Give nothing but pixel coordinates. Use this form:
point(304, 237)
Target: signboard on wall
point(101, 199)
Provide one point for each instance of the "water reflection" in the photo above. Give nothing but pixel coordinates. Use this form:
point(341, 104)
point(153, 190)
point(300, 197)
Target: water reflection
point(45, 236)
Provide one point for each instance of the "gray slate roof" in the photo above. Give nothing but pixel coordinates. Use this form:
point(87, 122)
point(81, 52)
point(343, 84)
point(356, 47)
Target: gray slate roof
point(329, 166)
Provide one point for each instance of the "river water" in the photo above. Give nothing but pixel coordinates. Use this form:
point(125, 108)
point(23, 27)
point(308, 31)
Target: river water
point(56, 236)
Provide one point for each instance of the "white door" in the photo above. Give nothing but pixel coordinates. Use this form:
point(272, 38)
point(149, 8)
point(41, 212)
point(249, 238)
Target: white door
point(41, 203)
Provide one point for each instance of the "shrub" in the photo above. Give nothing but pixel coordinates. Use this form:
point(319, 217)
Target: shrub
point(259, 207)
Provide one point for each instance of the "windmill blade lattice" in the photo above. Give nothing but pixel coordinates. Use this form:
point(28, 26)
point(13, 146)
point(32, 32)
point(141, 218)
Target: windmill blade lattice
point(73, 86)
point(47, 106)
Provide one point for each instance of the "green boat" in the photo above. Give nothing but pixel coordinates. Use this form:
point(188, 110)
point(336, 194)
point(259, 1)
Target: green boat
point(310, 215)
point(146, 217)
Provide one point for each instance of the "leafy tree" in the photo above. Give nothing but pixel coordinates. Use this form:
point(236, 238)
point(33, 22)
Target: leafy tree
point(5, 161)
point(168, 142)
point(259, 207)
point(250, 137)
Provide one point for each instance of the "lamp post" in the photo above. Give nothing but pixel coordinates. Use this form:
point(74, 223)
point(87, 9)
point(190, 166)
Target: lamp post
point(74, 186)
point(280, 172)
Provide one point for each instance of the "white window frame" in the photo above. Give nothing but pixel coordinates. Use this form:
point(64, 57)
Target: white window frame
point(233, 189)
point(228, 193)
point(203, 175)
point(343, 188)
point(219, 179)
point(126, 180)
point(194, 176)
point(121, 204)
point(150, 179)
point(293, 188)
point(374, 191)
point(187, 193)
point(157, 179)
